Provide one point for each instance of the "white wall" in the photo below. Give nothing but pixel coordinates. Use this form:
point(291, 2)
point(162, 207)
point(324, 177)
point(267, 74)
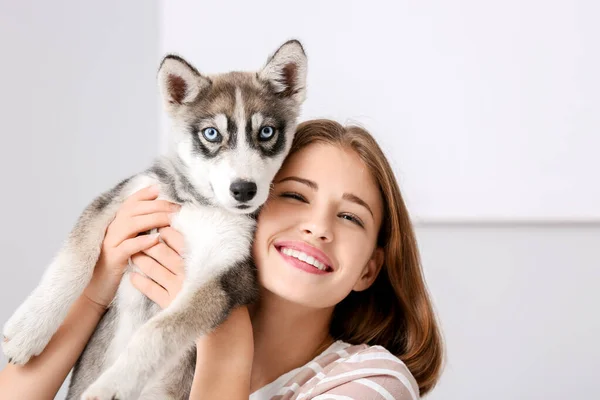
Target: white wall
point(78, 112)
point(487, 109)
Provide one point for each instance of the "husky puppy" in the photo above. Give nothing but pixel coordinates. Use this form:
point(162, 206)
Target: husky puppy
point(231, 133)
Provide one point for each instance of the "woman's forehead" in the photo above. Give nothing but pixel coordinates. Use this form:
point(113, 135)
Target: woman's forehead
point(335, 168)
point(323, 158)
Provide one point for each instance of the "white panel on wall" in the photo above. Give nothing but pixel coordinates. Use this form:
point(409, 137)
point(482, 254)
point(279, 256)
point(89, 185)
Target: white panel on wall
point(488, 111)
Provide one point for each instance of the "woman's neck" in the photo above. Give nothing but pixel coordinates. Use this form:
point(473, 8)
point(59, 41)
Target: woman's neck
point(286, 336)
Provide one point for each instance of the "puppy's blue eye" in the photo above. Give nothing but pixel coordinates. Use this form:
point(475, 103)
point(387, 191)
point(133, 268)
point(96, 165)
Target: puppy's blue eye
point(266, 133)
point(212, 135)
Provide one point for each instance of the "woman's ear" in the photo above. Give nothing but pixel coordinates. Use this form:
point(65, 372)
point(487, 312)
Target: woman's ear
point(371, 270)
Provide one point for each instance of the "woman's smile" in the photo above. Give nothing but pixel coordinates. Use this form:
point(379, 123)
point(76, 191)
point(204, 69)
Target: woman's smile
point(306, 253)
point(304, 256)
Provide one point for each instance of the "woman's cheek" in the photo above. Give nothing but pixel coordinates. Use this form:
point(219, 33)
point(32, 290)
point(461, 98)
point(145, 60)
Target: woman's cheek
point(258, 248)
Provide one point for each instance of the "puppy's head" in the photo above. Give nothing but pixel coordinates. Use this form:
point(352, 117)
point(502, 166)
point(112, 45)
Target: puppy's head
point(233, 130)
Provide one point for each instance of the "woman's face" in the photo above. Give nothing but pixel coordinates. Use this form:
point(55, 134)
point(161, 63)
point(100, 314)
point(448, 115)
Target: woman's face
point(316, 235)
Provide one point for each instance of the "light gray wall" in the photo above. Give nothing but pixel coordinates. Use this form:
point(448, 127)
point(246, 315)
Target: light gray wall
point(78, 112)
point(519, 309)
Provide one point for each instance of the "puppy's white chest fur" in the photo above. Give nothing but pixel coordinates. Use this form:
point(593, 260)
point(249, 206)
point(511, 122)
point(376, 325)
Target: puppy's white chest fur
point(215, 239)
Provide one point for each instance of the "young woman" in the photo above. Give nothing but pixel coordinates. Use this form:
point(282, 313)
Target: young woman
point(344, 310)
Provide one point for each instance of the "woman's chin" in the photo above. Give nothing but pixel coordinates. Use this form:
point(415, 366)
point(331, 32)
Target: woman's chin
point(298, 292)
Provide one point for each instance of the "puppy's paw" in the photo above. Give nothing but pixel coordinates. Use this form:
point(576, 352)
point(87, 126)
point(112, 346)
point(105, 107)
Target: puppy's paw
point(111, 387)
point(98, 393)
point(25, 335)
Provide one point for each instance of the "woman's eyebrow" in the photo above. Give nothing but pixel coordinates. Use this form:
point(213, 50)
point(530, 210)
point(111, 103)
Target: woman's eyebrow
point(311, 184)
point(355, 199)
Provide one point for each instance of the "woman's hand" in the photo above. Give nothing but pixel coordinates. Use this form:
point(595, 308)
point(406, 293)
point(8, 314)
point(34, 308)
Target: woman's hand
point(163, 266)
point(139, 213)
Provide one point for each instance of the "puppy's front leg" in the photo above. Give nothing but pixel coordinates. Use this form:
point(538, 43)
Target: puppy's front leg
point(194, 312)
point(33, 324)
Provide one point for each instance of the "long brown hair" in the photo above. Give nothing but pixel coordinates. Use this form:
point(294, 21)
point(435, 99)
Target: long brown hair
point(396, 311)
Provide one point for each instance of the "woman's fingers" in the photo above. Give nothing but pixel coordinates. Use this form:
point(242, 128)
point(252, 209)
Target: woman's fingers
point(166, 257)
point(147, 193)
point(154, 270)
point(143, 223)
point(150, 289)
point(149, 207)
point(160, 284)
point(145, 201)
point(123, 228)
point(137, 244)
point(173, 238)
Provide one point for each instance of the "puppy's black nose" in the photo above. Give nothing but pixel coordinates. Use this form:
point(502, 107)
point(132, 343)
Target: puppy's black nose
point(243, 190)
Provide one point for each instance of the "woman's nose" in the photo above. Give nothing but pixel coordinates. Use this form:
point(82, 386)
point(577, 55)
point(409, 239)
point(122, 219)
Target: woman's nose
point(317, 229)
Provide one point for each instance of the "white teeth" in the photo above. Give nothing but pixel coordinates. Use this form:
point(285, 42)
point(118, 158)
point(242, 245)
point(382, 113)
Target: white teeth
point(304, 257)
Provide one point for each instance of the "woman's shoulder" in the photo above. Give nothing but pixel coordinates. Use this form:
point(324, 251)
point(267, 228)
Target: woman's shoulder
point(354, 371)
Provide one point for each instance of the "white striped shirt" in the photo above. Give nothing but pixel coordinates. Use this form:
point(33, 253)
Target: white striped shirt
point(345, 372)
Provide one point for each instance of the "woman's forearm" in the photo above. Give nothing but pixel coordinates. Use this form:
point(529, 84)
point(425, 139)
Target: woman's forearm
point(42, 376)
point(224, 360)
point(221, 381)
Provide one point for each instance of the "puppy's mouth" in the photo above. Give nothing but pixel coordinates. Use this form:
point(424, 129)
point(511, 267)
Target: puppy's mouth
point(242, 207)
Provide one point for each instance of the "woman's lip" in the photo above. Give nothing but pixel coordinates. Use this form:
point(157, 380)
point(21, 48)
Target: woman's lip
point(296, 263)
point(306, 248)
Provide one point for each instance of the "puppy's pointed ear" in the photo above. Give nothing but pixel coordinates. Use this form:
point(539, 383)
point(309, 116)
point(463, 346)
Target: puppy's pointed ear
point(179, 82)
point(285, 71)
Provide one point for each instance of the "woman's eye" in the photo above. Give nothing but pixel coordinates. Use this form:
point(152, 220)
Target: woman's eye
point(354, 219)
point(295, 196)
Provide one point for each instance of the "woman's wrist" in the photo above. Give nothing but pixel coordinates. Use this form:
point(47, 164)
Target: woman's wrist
point(89, 300)
point(102, 289)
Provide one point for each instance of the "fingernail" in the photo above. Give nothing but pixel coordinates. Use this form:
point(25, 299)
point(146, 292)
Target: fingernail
point(154, 236)
point(176, 207)
point(171, 216)
point(154, 187)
